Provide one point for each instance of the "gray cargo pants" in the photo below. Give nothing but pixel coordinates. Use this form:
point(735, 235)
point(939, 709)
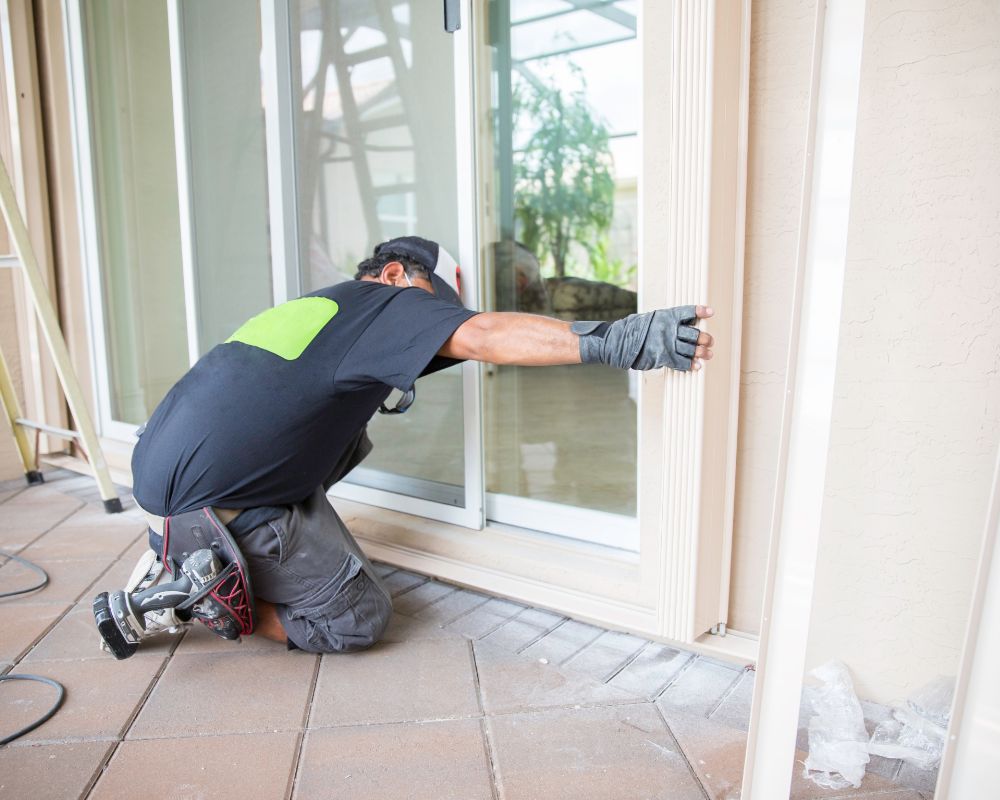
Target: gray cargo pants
point(327, 594)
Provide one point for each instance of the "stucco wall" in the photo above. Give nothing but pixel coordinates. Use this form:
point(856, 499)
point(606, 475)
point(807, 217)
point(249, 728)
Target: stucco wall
point(780, 62)
point(916, 419)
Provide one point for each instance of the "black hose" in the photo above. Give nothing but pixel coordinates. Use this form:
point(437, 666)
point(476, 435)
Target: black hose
point(48, 714)
point(39, 678)
point(29, 565)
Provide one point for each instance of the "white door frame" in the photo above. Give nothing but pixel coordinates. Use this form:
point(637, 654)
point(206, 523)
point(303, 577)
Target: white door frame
point(83, 163)
point(809, 391)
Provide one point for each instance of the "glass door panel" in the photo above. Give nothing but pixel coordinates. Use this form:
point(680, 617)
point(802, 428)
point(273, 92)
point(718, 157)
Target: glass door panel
point(376, 125)
point(225, 159)
point(562, 147)
point(131, 132)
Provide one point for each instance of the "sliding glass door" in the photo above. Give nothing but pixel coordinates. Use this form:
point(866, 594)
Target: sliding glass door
point(376, 121)
point(241, 154)
point(559, 151)
point(170, 139)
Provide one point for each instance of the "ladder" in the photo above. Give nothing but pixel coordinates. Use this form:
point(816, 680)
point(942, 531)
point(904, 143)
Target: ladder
point(86, 436)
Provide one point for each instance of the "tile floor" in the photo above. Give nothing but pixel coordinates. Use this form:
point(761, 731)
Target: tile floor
point(468, 696)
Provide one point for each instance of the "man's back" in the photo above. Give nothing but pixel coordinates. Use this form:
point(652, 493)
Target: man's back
point(262, 419)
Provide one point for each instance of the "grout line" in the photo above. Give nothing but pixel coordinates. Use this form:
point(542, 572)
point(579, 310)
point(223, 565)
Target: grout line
point(491, 762)
point(728, 692)
point(628, 661)
point(464, 613)
point(72, 603)
point(676, 676)
point(499, 625)
point(413, 612)
point(409, 589)
point(575, 653)
point(306, 719)
point(542, 635)
point(475, 676)
point(484, 724)
point(683, 755)
point(22, 548)
point(16, 493)
point(130, 721)
point(436, 600)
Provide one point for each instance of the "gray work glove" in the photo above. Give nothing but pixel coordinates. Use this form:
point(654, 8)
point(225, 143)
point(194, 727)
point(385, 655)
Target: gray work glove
point(641, 341)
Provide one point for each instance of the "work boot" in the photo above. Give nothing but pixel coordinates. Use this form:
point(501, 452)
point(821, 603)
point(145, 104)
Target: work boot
point(148, 572)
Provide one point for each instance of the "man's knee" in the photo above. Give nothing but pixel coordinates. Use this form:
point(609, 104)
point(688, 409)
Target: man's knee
point(346, 619)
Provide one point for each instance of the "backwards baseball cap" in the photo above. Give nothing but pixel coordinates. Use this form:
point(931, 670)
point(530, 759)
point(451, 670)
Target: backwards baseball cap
point(443, 269)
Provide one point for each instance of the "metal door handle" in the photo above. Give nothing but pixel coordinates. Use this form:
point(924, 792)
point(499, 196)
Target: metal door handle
point(452, 15)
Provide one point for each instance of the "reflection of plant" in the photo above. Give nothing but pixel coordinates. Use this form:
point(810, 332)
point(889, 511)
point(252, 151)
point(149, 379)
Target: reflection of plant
point(562, 177)
point(607, 269)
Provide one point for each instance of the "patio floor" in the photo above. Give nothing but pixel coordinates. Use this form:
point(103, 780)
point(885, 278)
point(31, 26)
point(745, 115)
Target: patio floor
point(469, 696)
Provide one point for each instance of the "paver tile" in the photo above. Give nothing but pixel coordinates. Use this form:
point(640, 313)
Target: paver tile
point(923, 780)
point(450, 607)
point(35, 510)
point(416, 680)
point(50, 771)
point(23, 624)
point(199, 639)
point(610, 753)
point(716, 752)
point(485, 619)
point(521, 631)
point(652, 669)
point(401, 580)
point(204, 767)
point(71, 541)
point(564, 642)
point(511, 682)
point(734, 710)
point(68, 580)
point(421, 596)
point(433, 760)
point(382, 570)
point(218, 693)
point(101, 697)
point(699, 687)
point(76, 637)
point(119, 572)
point(607, 654)
point(410, 629)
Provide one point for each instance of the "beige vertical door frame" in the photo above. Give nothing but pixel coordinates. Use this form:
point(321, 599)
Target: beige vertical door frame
point(692, 197)
point(809, 387)
point(972, 749)
point(26, 162)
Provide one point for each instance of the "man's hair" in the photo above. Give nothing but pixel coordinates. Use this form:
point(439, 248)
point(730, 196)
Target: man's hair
point(373, 266)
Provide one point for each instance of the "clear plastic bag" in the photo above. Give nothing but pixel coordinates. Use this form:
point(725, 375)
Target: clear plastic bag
point(838, 741)
point(917, 732)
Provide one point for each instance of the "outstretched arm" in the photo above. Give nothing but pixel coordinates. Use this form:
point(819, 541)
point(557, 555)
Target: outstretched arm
point(640, 341)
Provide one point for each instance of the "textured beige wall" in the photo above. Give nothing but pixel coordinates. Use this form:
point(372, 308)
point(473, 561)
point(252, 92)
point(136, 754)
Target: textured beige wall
point(916, 418)
point(780, 63)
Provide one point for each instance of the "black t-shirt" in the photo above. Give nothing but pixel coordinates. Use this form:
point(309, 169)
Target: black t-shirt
point(264, 418)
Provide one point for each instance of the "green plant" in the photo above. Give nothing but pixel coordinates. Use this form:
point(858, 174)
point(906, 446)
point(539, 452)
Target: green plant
point(563, 181)
point(607, 269)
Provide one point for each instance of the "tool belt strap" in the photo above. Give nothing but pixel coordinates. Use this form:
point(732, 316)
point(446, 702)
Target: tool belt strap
point(225, 515)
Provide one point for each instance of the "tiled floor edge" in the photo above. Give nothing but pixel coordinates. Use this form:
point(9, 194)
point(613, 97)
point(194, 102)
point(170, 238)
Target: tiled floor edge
point(490, 751)
point(681, 751)
point(300, 742)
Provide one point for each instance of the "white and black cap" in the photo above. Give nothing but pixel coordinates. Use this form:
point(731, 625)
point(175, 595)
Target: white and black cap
point(442, 267)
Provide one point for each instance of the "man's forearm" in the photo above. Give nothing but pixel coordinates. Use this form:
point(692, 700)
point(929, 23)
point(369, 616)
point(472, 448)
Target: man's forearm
point(506, 337)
